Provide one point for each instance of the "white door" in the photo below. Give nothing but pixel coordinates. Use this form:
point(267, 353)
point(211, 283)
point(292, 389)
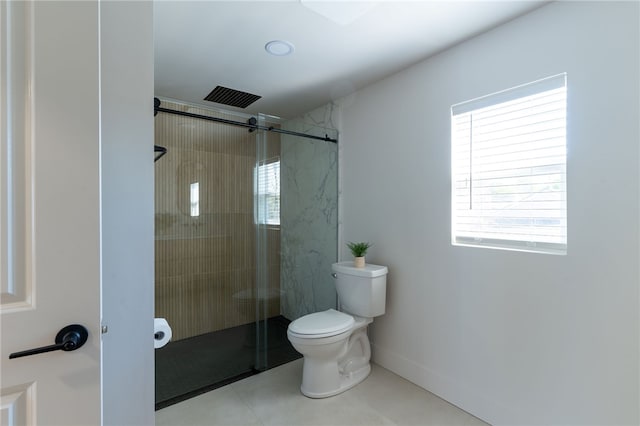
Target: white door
point(50, 211)
point(50, 219)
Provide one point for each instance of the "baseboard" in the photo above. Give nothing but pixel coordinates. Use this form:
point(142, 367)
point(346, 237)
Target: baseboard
point(470, 400)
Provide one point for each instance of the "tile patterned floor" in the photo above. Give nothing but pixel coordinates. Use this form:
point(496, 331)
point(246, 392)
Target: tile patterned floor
point(274, 398)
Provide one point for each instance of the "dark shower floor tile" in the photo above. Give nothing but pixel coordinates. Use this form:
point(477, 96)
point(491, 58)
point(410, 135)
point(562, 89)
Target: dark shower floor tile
point(189, 367)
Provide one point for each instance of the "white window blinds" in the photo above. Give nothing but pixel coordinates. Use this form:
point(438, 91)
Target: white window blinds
point(509, 168)
point(267, 192)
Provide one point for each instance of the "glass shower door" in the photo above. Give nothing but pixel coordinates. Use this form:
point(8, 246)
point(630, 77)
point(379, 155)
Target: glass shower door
point(273, 347)
point(296, 231)
point(205, 253)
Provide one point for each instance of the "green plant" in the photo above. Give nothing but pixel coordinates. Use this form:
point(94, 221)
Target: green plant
point(358, 249)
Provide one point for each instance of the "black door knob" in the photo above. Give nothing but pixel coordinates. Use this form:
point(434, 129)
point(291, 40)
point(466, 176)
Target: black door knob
point(68, 339)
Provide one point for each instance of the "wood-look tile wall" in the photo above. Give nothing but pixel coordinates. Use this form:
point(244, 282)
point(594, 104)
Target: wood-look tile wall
point(206, 265)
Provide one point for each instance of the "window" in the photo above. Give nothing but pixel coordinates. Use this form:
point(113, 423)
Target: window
point(509, 169)
point(267, 192)
point(194, 199)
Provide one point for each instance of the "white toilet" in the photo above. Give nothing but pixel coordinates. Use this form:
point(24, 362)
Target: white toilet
point(335, 344)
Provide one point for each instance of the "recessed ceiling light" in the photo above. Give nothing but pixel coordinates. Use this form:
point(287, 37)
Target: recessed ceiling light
point(279, 48)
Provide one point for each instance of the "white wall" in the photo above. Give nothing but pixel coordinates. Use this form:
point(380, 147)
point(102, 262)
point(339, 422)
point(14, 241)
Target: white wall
point(514, 338)
point(126, 53)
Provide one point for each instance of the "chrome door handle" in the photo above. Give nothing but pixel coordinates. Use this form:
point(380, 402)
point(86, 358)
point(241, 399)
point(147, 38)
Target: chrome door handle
point(68, 339)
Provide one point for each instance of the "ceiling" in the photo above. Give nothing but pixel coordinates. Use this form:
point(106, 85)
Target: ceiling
point(340, 46)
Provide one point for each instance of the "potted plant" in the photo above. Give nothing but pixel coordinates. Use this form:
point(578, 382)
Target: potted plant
point(358, 250)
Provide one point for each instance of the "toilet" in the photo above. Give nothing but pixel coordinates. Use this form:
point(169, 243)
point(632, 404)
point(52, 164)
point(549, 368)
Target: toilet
point(334, 344)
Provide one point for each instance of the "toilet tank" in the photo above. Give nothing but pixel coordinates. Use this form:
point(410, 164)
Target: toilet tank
point(362, 291)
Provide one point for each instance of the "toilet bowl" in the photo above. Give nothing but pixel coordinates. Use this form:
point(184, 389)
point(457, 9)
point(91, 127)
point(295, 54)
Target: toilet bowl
point(336, 352)
point(334, 344)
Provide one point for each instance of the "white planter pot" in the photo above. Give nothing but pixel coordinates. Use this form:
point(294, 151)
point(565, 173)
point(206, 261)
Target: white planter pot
point(358, 262)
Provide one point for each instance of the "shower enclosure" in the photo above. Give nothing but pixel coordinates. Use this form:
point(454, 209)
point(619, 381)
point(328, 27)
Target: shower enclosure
point(246, 231)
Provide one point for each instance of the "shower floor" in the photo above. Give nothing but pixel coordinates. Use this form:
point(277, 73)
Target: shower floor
point(192, 366)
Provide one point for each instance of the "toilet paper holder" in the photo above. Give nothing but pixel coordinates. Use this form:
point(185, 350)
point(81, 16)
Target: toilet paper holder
point(161, 332)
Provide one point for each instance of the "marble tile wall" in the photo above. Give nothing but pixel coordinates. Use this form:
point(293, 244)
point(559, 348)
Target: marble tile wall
point(309, 214)
point(205, 265)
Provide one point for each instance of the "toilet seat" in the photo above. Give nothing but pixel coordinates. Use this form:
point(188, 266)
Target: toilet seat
point(322, 324)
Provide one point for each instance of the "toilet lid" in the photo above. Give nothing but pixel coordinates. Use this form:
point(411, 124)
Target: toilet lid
point(326, 323)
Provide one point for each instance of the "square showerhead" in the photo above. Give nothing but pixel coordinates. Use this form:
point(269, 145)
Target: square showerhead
point(231, 97)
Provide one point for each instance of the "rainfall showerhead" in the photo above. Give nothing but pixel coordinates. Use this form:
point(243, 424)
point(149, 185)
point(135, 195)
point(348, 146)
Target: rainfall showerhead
point(231, 97)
